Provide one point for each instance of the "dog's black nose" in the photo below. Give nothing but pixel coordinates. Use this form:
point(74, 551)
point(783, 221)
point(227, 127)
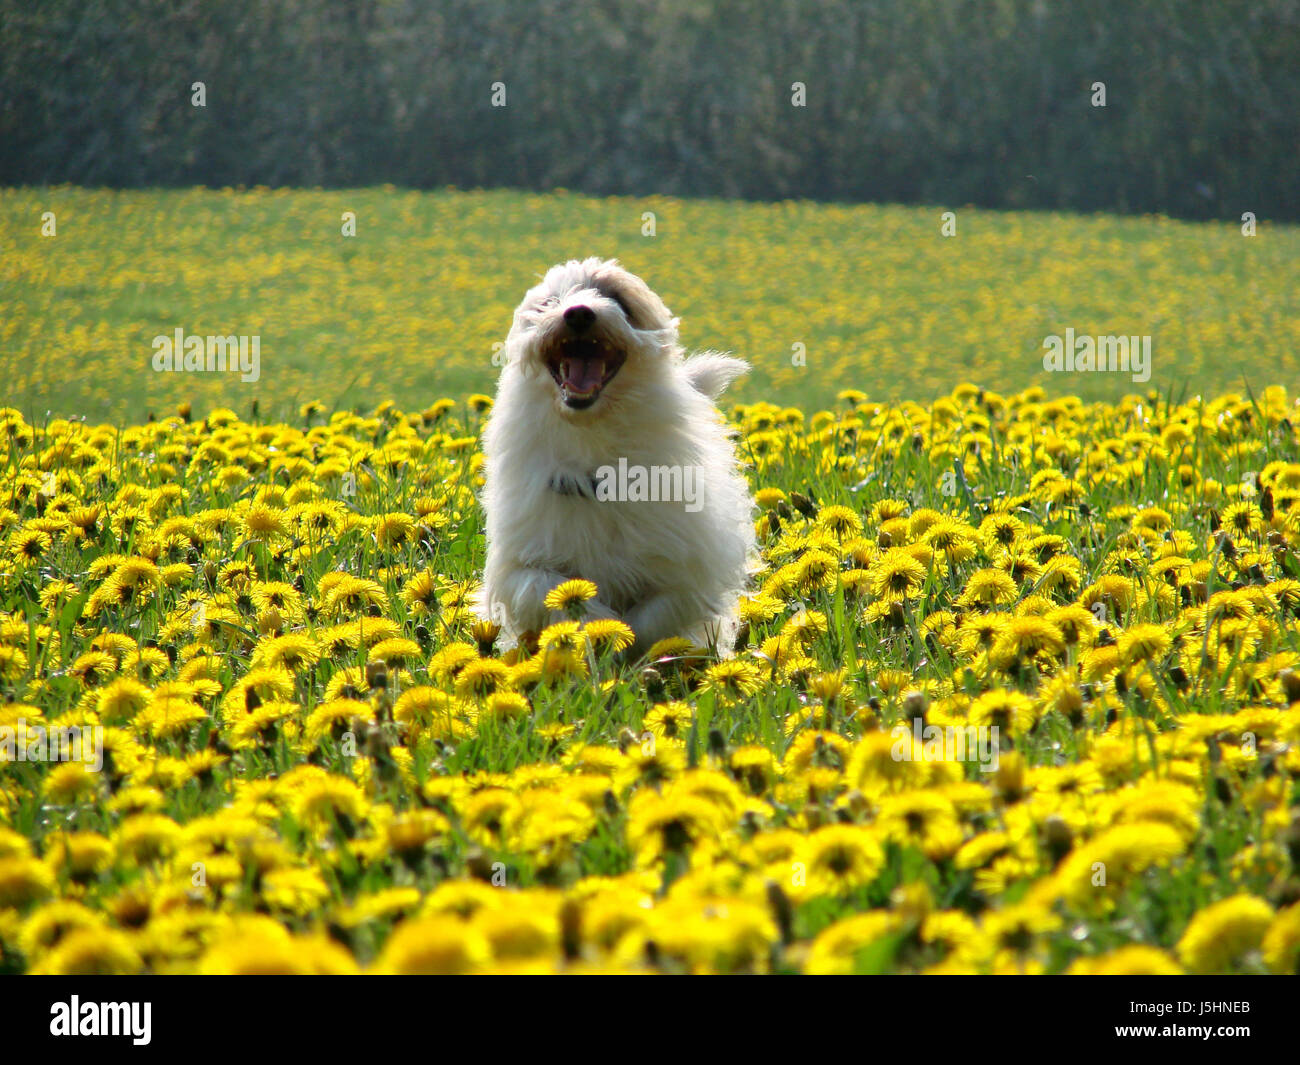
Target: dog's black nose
point(579, 318)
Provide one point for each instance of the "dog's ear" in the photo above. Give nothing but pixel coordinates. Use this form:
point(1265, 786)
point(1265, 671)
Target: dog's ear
point(711, 372)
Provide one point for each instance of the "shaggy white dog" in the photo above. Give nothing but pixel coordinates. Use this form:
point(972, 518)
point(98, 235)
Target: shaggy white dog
point(607, 460)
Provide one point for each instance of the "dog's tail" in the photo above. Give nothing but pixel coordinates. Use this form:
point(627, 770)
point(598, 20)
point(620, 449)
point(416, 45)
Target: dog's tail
point(710, 372)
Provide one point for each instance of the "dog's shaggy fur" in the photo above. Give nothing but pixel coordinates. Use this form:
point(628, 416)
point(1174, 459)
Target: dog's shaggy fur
point(593, 374)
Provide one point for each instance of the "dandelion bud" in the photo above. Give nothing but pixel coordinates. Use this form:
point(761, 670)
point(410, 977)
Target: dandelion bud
point(1290, 681)
point(782, 910)
point(571, 929)
point(653, 683)
point(717, 743)
point(914, 704)
point(478, 864)
point(803, 504)
point(1058, 838)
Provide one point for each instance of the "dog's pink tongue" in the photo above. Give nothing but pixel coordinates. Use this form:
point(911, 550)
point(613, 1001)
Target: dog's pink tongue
point(584, 375)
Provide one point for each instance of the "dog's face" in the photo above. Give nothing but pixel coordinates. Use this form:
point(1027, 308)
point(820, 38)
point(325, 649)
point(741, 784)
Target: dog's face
point(588, 330)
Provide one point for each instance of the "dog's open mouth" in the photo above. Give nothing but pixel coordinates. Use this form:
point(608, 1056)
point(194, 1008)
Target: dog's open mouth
point(582, 368)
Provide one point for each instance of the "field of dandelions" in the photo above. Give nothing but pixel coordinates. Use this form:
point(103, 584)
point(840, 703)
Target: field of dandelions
point(818, 297)
point(316, 760)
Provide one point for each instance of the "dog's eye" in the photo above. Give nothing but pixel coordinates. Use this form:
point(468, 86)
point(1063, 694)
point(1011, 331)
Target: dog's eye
point(622, 305)
point(548, 301)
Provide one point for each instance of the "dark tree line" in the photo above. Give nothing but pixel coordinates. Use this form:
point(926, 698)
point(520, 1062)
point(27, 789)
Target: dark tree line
point(936, 101)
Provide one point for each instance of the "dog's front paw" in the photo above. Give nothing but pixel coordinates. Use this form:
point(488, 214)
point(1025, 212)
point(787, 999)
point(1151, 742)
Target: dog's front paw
point(658, 617)
point(592, 610)
point(598, 611)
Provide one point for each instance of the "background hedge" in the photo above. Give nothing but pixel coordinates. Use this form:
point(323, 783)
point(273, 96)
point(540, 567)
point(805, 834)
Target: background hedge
point(934, 101)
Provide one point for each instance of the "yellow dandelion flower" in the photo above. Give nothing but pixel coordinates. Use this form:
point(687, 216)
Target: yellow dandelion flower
point(569, 594)
point(1217, 937)
point(840, 949)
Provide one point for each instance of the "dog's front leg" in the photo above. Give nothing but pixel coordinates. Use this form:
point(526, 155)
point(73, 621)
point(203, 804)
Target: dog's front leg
point(660, 616)
point(517, 600)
